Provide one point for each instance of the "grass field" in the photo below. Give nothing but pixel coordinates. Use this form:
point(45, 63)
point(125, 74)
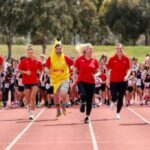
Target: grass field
point(137, 51)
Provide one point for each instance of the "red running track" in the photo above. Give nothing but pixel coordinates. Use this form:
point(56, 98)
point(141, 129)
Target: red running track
point(132, 132)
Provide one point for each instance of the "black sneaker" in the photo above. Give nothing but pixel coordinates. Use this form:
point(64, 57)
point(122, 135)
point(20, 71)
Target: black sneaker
point(82, 108)
point(86, 120)
point(49, 105)
point(46, 104)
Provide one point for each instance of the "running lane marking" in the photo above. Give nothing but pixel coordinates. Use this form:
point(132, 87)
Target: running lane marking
point(24, 130)
point(142, 118)
point(94, 142)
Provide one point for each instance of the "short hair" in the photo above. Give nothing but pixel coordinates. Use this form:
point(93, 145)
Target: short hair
point(119, 44)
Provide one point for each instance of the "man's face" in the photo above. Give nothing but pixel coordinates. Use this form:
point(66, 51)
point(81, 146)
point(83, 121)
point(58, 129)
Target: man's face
point(58, 49)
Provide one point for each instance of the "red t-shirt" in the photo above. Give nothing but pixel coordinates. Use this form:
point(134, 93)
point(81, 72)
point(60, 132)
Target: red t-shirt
point(1, 60)
point(118, 68)
point(68, 60)
point(86, 69)
point(103, 77)
point(34, 66)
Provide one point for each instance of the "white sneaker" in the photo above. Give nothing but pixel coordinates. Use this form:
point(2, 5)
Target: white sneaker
point(112, 106)
point(117, 116)
point(31, 114)
point(31, 117)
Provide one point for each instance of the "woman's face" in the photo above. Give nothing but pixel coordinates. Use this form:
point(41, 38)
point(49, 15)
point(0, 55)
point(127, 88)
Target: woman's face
point(30, 53)
point(119, 50)
point(14, 63)
point(141, 66)
point(105, 59)
point(89, 51)
point(134, 62)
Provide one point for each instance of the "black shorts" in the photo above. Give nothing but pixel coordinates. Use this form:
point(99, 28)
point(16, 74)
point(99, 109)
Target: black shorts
point(103, 87)
point(97, 90)
point(50, 90)
point(130, 89)
point(29, 86)
point(141, 87)
point(42, 88)
point(20, 88)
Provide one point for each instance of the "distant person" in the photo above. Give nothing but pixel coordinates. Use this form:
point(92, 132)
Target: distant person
point(59, 65)
point(29, 67)
point(86, 68)
point(119, 67)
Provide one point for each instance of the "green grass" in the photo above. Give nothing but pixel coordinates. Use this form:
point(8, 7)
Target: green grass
point(137, 51)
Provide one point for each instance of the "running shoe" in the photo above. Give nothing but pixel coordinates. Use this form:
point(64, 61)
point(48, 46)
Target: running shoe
point(64, 111)
point(58, 116)
point(117, 116)
point(86, 120)
point(31, 115)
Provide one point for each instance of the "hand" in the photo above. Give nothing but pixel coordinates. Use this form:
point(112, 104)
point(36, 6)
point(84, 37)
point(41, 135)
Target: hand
point(28, 72)
point(125, 78)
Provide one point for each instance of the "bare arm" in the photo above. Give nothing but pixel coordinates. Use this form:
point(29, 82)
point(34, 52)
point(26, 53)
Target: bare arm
point(127, 75)
point(75, 70)
point(108, 77)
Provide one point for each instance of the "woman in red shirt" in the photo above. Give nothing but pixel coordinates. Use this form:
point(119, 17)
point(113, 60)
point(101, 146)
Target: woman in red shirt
point(86, 68)
point(119, 67)
point(29, 68)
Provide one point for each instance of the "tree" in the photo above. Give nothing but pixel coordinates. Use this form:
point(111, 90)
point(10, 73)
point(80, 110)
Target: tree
point(73, 9)
point(90, 22)
point(10, 19)
point(98, 4)
point(124, 18)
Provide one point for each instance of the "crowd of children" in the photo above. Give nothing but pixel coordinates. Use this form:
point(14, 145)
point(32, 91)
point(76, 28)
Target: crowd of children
point(12, 88)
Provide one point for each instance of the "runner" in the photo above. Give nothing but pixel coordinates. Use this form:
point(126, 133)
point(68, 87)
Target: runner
point(130, 88)
point(88, 69)
point(29, 68)
point(147, 86)
point(119, 65)
point(140, 84)
point(59, 64)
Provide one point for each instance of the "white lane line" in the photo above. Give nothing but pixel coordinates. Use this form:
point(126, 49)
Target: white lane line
point(94, 142)
point(24, 130)
point(145, 120)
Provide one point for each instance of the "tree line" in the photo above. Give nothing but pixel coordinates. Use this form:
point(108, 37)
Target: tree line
point(74, 21)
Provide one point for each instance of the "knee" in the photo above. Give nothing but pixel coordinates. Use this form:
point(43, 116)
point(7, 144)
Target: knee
point(63, 94)
point(114, 97)
point(84, 96)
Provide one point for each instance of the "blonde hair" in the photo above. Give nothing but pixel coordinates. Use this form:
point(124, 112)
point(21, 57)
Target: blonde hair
point(81, 48)
point(29, 47)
